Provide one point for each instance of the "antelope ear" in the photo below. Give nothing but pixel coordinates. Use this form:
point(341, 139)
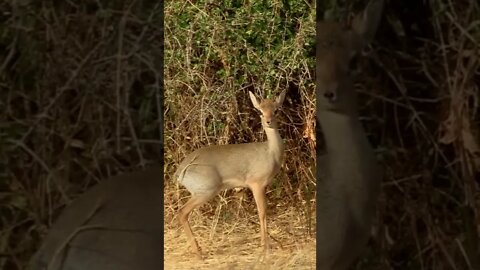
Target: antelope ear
point(279, 100)
point(366, 23)
point(254, 100)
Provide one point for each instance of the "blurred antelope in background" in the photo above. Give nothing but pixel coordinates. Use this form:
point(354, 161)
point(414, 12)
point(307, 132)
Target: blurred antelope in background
point(349, 176)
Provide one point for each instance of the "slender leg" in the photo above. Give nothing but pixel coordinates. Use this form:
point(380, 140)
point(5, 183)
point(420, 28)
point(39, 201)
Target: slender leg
point(259, 195)
point(193, 202)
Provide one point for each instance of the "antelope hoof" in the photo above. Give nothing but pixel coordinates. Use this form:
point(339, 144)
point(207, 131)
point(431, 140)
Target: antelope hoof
point(267, 249)
point(198, 252)
point(200, 256)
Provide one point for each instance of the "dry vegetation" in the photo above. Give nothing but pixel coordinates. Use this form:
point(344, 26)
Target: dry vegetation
point(215, 54)
point(420, 98)
point(80, 100)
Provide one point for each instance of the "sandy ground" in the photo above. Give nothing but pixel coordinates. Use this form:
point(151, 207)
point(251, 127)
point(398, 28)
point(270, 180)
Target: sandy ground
point(233, 241)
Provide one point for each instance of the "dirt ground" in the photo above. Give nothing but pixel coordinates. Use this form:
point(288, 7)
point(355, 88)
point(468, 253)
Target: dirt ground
point(229, 237)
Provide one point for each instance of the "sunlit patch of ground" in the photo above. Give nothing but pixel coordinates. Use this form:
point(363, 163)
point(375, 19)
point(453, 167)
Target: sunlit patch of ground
point(234, 243)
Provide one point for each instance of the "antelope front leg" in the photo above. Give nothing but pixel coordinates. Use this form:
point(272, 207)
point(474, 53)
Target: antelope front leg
point(260, 199)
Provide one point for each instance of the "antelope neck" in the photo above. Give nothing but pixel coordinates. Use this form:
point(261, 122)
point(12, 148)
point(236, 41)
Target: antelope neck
point(275, 142)
point(344, 135)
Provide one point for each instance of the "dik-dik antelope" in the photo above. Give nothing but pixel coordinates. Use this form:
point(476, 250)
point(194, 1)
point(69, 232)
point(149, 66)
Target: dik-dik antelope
point(209, 170)
point(349, 176)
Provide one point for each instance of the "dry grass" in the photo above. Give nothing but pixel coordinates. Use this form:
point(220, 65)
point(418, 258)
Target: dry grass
point(78, 88)
point(234, 243)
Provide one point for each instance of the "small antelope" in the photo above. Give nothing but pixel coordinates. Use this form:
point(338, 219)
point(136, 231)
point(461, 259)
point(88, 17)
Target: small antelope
point(208, 170)
point(349, 180)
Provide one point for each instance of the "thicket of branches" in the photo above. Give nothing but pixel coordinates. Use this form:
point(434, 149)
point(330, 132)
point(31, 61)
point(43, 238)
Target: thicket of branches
point(419, 89)
point(215, 54)
point(79, 101)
